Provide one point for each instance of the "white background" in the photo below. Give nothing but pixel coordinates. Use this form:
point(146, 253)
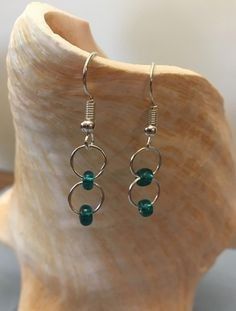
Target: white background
point(198, 35)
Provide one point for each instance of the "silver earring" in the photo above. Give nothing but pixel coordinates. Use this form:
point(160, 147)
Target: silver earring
point(88, 177)
point(145, 176)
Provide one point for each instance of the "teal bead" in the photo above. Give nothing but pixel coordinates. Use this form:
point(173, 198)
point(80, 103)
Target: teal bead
point(86, 215)
point(145, 207)
point(88, 179)
point(146, 177)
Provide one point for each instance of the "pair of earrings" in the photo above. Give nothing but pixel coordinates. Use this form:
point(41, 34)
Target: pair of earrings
point(143, 176)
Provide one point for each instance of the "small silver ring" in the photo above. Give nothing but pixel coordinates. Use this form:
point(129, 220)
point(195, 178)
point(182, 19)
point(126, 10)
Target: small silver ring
point(77, 185)
point(149, 148)
point(134, 183)
point(87, 147)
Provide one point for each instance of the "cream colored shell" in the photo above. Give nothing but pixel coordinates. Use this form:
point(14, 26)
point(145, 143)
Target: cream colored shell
point(123, 262)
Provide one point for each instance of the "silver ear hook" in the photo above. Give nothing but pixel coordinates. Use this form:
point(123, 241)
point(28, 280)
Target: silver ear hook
point(145, 176)
point(85, 70)
point(87, 126)
point(151, 128)
point(87, 181)
point(150, 84)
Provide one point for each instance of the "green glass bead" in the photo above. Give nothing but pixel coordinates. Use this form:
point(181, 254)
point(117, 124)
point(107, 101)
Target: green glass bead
point(86, 215)
point(145, 207)
point(88, 179)
point(146, 176)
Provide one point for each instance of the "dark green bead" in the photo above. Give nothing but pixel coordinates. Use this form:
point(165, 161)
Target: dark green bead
point(88, 179)
point(145, 207)
point(146, 176)
point(86, 215)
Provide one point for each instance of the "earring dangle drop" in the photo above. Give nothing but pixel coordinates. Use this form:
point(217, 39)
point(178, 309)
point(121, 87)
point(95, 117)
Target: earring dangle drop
point(87, 181)
point(145, 176)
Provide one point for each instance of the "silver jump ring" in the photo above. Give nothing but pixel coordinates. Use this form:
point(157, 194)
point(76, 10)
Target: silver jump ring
point(134, 183)
point(88, 147)
point(77, 185)
point(149, 148)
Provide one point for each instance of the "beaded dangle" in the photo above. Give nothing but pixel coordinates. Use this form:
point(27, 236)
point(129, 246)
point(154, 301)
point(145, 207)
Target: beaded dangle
point(145, 176)
point(88, 178)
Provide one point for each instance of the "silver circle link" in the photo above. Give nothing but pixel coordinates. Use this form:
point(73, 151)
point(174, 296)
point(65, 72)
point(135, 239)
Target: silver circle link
point(134, 183)
point(88, 147)
point(148, 148)
point(77, 185)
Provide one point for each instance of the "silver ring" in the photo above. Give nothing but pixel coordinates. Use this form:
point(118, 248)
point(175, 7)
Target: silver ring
point(77, 185)
point(149, 148)
point(87, 147)
point(134, 183)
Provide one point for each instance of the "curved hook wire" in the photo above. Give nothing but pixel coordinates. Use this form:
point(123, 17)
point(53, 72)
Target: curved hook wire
point(85, 70)
point(150, 84)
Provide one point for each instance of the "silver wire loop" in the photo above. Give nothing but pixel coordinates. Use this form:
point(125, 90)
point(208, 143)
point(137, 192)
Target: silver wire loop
point(90, 146)
point(85, 71)
point(148, 144)
point(148, 148)
point(89, 140)
point(131, 200)
point(94, 209)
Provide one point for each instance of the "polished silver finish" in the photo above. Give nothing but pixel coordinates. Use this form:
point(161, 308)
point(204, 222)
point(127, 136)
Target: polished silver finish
point(90, 104)
point(90, 110)
point(85, 71)
point(131, 200)
point(73, 209)
point(87, 127)
point(152, 115)
point(150, 149)
point(91, 146)
point(153, 110)
point(151, 84)
point(89, 140)
point(150, 130)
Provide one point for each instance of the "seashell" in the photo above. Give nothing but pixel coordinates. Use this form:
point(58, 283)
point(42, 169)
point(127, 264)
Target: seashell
point(123, 261)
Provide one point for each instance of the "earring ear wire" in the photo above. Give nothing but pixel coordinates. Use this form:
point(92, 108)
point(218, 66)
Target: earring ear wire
point(145, 176)
point(88, 177)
